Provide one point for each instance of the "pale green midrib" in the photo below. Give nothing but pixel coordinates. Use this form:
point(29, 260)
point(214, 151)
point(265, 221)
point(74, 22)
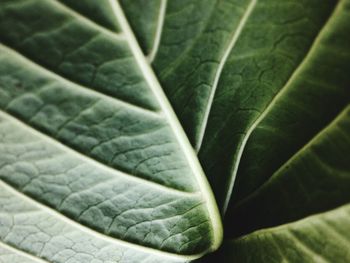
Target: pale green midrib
point(21, 253)
point(100, 95)
point(95, 163)
point(157, 36)
point(263, 114)
point(235, 36)
point(280, 228)
point(333, 124)
point(93, 233)
point(174, 123)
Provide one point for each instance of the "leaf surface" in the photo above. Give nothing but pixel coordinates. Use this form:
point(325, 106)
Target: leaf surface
point(95, 165)
point(313, 97)
point(306, 131)
point(315, 182)
point(316, 179)
point(90, 145)
point(289, 149)
point(221, 64)
point(320, 238)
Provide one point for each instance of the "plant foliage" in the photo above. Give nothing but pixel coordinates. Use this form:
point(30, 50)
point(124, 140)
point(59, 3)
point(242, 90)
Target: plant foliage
point(117, 118)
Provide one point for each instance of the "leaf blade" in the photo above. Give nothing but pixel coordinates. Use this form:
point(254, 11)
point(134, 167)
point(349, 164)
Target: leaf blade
point(322, 79)
point(114, 130)
point(301, 240)
point(314, 180)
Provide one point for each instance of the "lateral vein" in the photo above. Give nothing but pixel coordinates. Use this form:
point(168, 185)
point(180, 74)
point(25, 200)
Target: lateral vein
point(158, 34)
point(59, 4)
point(303, 149)
point(78, 86)
point(92, 161)
point(92, 232)
point(21, 253)
point(223, 60)
point(268, 109)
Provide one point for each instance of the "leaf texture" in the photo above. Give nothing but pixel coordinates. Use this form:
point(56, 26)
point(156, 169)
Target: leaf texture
point(90, 145)
point(45, 233)
point(231, 60)
point(289, 149)
point(307, 200)
point(95, 167)
point(300, 110)
point(8, 254)
point(314, 180)
point(321, 238)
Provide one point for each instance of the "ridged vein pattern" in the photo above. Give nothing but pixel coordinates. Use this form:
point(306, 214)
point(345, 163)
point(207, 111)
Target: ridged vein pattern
point(316, 93)
point(279, 119)
point(222, 62)
point(321, 238)
point(314, 180)
point(95, 167)
point(91, 169)
point(38, 232)
point(8, 254)
point(291, 200)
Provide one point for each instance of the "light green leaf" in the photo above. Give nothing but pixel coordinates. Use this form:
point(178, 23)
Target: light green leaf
point(46, 234)
point(8, 254)
point(94, 163)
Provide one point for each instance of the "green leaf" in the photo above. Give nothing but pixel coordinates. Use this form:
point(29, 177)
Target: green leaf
point(100, 11)
point(314, 180)
point(46, 234)
point(221, 64)
point(94, 164)
point(320, 238)
point(294, 174)
point(315, 94)
point(146, 19)
point(276, 90)
point(8, 254)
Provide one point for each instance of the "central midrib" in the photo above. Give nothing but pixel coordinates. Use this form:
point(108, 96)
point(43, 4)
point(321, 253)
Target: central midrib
point(174, 123)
